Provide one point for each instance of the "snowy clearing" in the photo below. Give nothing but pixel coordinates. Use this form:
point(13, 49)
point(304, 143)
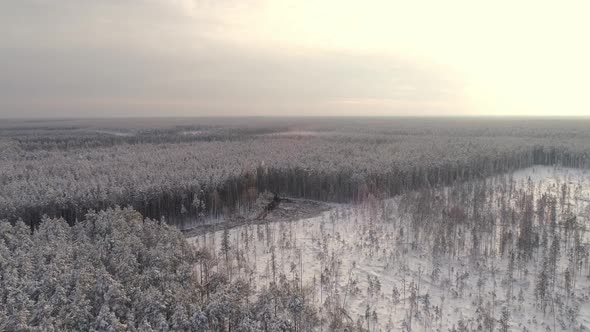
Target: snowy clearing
point(383, 273)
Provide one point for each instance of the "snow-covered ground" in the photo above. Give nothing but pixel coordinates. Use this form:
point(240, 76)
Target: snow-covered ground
point(358, 257)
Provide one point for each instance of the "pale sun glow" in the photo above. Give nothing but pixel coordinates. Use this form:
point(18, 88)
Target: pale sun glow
point(514, 57)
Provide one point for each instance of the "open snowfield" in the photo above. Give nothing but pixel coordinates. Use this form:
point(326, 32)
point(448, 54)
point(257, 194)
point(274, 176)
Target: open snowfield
point(364, 260)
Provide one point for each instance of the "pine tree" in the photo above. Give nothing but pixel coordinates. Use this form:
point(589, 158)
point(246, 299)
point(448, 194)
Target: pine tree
point(225, 245)
point(505, 320)
point(542, 284)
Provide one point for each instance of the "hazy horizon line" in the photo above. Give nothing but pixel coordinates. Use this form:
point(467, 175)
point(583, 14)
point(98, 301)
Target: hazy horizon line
point(520, 116)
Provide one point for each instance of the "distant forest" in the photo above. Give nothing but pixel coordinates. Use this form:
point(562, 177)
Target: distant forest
point(188, 170)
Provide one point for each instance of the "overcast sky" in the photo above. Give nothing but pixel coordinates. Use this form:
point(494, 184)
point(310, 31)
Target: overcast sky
point(98, 58)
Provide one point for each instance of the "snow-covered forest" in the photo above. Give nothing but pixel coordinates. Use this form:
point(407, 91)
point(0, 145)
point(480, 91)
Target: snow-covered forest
point(432, 225)
point(191, 172)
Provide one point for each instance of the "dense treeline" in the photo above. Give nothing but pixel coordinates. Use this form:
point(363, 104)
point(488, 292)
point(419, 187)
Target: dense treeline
point(116, 272)
point(165, 176)
point(73, 138)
